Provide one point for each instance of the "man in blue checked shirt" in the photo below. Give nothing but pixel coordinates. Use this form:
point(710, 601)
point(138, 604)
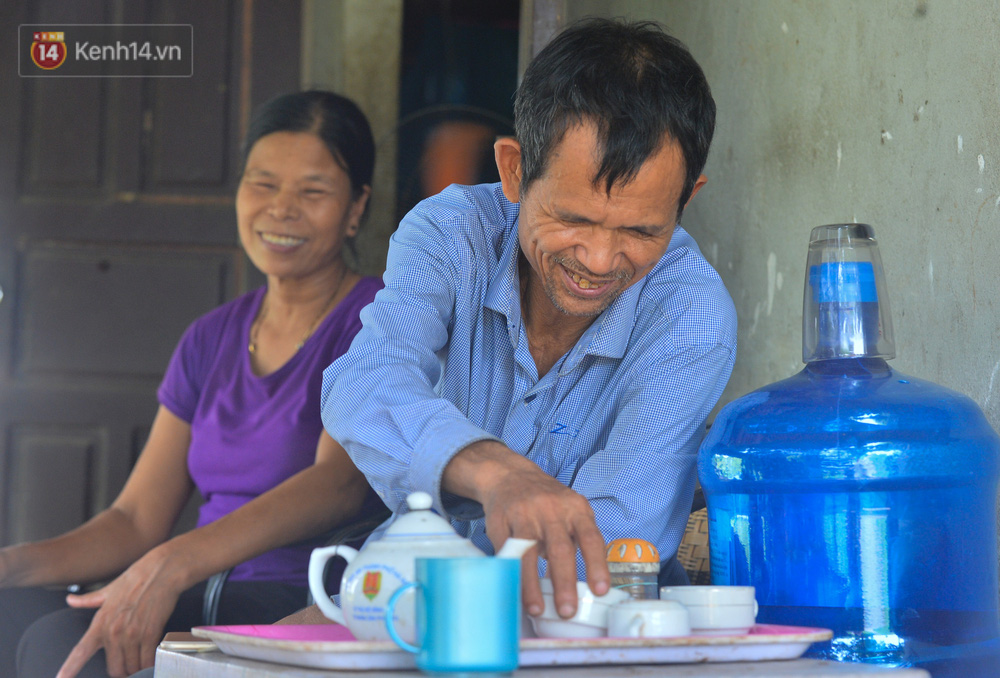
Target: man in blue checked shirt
point(546, 350)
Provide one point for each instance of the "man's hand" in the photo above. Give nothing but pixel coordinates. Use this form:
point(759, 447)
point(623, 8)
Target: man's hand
point(521, 500)
point(134, 609)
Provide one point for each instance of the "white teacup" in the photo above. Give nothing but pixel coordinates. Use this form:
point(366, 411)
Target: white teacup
point(716, 610)
point(648, 619)
point(590, 620)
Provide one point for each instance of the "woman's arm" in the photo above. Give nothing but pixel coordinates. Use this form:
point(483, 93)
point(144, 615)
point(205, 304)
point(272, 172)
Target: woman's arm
point(140, 518)
point(136, 605)
point(329, 493)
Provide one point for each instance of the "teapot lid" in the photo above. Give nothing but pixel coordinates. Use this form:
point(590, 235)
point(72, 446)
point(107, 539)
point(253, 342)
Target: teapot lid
point(420, 522)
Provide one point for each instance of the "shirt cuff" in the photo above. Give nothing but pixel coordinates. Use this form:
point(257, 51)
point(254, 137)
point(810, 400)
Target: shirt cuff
point(431, 454)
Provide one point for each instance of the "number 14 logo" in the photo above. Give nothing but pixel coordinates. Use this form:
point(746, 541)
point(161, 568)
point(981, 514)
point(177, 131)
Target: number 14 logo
point(48, 50)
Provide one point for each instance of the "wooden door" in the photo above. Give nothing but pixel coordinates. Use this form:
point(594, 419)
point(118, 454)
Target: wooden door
point(117, 229)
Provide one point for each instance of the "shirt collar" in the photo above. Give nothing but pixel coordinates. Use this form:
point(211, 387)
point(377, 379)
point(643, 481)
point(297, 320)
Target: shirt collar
point(503, 294)
point(610, 333)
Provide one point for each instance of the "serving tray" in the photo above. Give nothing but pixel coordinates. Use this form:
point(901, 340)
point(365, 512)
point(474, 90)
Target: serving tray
point(331, 646)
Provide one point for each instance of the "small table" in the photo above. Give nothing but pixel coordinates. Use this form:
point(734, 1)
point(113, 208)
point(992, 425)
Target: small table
point(215, 664)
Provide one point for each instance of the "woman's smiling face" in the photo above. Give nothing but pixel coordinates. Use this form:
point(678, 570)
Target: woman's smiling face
point(295, 205)
point(584, 246)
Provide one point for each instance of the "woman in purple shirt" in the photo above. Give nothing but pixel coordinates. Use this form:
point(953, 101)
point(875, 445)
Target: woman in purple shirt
point(239, 420)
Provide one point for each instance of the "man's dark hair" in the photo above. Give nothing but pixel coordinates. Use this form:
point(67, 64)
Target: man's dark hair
point(633, 81)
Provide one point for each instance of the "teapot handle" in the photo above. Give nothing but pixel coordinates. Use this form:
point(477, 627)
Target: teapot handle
point(317, 568)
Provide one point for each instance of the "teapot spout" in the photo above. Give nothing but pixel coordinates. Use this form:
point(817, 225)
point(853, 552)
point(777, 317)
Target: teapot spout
point(515, 548)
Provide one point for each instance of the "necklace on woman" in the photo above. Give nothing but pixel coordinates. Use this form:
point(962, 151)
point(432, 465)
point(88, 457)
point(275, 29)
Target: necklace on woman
point(255, 328)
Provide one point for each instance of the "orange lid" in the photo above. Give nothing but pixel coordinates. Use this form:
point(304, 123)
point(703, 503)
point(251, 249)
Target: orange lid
point(631, 550)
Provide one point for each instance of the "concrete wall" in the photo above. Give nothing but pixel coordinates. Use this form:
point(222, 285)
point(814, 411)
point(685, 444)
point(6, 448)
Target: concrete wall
point(883, 112)
point(353, 47)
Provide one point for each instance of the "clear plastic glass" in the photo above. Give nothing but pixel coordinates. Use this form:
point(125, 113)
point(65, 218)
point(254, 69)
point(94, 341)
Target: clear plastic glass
point(639, 580)
point(845, 307)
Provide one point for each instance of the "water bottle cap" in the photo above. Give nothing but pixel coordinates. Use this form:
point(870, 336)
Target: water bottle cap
point(632, 551)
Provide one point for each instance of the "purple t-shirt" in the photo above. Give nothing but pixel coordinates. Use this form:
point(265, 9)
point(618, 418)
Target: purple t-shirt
point(250, 433)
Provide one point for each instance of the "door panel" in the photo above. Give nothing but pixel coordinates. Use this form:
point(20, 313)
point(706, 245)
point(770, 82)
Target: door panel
point(51, 464)
point(176, 158)
point(162, 288)
point(63, 155)
point(117, 229)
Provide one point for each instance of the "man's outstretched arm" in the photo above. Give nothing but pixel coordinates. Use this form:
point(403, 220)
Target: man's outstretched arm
point(521, 500)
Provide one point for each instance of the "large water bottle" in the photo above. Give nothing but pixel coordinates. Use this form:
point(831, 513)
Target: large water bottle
point(854, 497)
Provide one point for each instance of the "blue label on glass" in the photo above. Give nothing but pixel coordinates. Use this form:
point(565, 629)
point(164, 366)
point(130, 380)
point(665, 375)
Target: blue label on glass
point(843, 282)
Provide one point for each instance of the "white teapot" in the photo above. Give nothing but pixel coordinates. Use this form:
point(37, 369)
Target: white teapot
point(382, 566)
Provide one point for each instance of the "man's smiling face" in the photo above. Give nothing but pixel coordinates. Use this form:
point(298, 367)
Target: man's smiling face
point(585, 246)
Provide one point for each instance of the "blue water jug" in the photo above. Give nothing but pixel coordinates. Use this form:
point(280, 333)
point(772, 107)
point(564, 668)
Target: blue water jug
point(856, 498)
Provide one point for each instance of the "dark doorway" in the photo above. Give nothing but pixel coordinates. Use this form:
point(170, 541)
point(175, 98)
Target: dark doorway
point(458, 77)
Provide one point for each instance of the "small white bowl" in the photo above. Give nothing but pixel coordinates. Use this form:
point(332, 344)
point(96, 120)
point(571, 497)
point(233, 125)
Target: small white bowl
point(562, 628)
point(716, 610)
point(590, 620)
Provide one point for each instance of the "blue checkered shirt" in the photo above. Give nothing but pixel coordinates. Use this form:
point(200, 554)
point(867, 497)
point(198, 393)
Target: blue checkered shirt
point(442, 362)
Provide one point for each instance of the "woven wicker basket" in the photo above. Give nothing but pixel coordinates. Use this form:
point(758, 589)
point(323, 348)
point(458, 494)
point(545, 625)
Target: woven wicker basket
point(693, 551)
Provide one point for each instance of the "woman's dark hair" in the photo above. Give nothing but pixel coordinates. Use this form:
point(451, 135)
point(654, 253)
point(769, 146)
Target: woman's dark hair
point(336, 120)
point(633, 81)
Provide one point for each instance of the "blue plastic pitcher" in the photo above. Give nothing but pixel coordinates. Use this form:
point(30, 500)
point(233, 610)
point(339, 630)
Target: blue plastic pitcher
point(854, 497)
point(468, 614)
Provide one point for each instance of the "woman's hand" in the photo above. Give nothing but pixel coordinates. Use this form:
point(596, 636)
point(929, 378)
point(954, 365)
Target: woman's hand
point(18, 565)
point(5, 569)
point(134, 609)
